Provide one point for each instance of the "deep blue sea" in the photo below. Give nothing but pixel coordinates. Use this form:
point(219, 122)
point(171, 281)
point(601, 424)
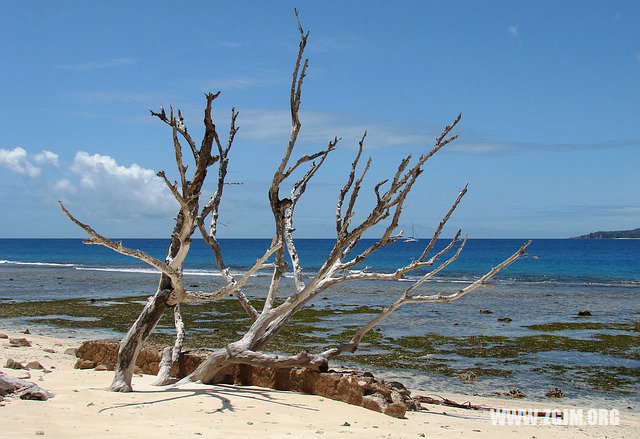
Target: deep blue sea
point(559, 262)
point(551, 284)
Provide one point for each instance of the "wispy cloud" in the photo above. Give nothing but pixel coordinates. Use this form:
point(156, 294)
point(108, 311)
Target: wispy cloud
point(274, 126)
point(240, 82)
point(513, 30)
point(583, 211)
point(98, 65)
point(115, 96)
point(488, 148)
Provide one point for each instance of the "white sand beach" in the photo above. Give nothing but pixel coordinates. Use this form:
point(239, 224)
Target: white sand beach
point(82, 408)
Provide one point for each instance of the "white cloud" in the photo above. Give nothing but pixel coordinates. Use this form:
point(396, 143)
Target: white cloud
point(17, 161)
point(119, 190)
point(512, 30)
point(64, 186)
point(46, 157)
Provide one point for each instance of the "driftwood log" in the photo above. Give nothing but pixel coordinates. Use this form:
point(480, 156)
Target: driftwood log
point(289, 183)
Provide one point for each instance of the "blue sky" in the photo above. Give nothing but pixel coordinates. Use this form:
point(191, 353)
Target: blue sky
point(549, 92)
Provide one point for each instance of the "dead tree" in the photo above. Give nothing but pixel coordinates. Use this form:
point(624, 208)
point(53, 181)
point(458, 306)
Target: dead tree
point(341, 265)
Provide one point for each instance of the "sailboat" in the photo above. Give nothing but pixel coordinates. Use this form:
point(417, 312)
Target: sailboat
point(411, 238)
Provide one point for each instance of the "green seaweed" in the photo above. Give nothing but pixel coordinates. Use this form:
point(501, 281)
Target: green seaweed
point(216, 324)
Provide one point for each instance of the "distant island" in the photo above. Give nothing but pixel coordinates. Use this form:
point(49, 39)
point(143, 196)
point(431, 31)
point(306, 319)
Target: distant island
point(616, 234)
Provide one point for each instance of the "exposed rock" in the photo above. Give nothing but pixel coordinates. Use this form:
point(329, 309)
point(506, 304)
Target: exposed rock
point(585, 313)
point(85, 364)
point(70, 351)
point(24, 376)
point(101, 367)
point(358, 388)
point(16, 342)
point(3, 335)
point(515, 393)
point(34, 365)
point(346, 424)
point(51, 351)
point(555, 393)
point(22, 389)
point(13, 364)
point(467, 376)
point(505, 320)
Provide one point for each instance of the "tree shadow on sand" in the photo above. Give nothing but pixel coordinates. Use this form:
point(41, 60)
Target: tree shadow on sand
point(216, 392)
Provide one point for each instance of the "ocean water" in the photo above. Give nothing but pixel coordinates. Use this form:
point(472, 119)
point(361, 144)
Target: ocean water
point(592, 359)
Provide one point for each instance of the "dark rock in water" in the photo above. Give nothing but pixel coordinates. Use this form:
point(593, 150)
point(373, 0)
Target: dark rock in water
point(13, 364)
point(515, 393)
point(555, 393)
point(486, 311)
point(505, 320)
point(467, 376)
point(26, 331)
point(585, 313)
point(194, 286)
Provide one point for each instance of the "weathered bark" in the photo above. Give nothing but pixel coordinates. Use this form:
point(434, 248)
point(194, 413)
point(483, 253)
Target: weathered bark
point(132, 342)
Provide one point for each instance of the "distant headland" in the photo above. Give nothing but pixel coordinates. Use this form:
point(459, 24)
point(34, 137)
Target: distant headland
point(616, 234)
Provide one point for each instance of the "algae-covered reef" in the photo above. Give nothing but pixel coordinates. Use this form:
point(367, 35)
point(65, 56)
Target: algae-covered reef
point(544, 351)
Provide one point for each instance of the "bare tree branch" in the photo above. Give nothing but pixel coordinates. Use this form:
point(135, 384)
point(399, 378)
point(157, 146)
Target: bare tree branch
point(407, 298)
point(178, 124)
point(119, 248)
point(347, 186)
point(195, 296)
